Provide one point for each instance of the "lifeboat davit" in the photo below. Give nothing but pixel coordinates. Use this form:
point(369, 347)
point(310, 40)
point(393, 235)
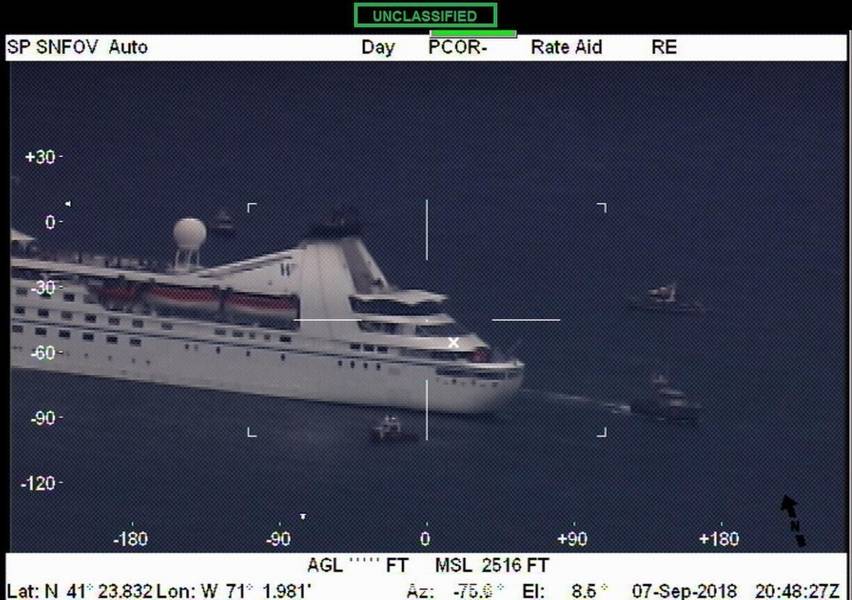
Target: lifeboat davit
point(260, 305)
point(173, 297)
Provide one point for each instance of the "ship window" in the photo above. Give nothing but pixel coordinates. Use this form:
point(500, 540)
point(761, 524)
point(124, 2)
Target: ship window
point(68, 297)
point(248, 352)
point(114, 320)
point(284, 338)
point(111, 339)
point(17, 328)
point(186, 346)
point(91, 318)
point(283, 357)
point(67, 315)
point(237, 334)
point(40, 331)
point(220, 332)
point(21, 291)
point(89, 299)
point(355, 346)
point(43, 312)
point(251, 336)
point(20, 310)
point(340, 363)
point(218, 350)
point(89, 337)
point(444, 355)
point(369, 347)
point(378, 367)
point(351, 364)
point(267, 337)
point(366, 366)
point(138, 323)
point(389, 307)
point(64, 333)
point(382, 349)
point(444, 330)
point(168, 326)
point(493, 376)
point(378, 327)
point(135, 342)
point(453, 372)
point(416, 352)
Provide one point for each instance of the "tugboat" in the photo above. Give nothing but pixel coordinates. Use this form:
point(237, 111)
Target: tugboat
point(664, 299)
point(389, 429)
point(666, 403)
point(223, 224)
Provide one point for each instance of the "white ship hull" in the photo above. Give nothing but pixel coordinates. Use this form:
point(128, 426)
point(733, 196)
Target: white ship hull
point(301, 375)
point(325, 355)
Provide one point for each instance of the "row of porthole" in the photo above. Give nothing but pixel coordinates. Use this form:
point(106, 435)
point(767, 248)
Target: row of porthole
point(472, 383)
point(90, 318)
point(366, 365)
point(219, 351)
point(112, 339)
point(85, 355)
point(67, 296)
point(369, 348)
point(65, 334)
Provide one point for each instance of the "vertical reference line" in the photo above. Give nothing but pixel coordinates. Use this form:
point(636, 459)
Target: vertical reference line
point(427, 230)
point(427, 410)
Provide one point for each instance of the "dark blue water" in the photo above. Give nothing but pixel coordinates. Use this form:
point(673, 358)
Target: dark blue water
point(728, 178)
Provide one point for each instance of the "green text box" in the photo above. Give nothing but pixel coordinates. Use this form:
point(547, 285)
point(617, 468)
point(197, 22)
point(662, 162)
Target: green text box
point(410, 9)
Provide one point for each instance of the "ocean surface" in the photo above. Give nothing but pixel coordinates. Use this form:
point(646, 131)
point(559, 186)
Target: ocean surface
point(727, 178)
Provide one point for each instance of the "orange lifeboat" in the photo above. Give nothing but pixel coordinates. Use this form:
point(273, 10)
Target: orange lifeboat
point(174, 297)
point(263, 306)
point(116, 293)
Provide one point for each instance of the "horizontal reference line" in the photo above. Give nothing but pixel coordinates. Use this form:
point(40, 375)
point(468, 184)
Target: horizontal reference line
point(529, 320)
point(326, 319)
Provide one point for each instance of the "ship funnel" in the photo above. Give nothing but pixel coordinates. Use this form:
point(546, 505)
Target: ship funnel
point(189, 235)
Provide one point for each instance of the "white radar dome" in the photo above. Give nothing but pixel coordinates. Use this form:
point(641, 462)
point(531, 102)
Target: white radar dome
point(189, 234)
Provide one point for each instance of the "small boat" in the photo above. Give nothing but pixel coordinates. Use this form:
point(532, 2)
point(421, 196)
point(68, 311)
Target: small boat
point(666, 403)
point(389, 429)
point(664, 299)
point(223, 224)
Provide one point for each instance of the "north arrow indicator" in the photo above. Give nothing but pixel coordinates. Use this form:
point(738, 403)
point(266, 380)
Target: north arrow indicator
point(787, 504)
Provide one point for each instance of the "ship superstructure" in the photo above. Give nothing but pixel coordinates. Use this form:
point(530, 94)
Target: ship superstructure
point(316, 322)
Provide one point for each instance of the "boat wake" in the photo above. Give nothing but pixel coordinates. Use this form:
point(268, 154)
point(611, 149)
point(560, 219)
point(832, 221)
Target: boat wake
point(555, 397)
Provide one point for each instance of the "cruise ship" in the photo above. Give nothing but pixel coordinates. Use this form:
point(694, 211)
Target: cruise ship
point(317, 322)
